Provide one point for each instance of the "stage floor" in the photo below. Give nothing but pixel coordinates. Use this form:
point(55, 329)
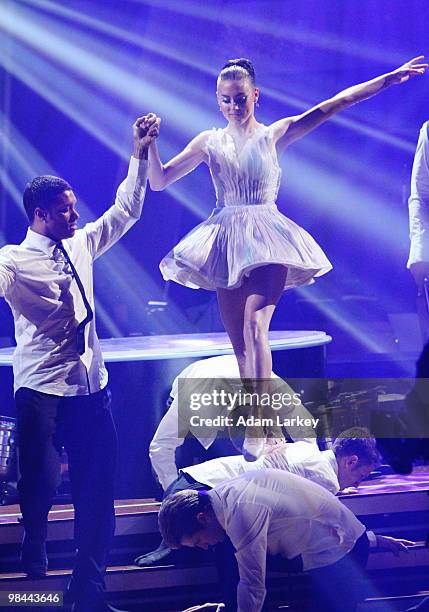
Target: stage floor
point(162, 587)
point(389, 489)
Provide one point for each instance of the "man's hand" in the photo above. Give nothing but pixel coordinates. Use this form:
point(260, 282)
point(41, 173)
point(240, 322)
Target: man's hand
point(349, 491)
point(145, 130)
point(212, 607)
point(393, 545)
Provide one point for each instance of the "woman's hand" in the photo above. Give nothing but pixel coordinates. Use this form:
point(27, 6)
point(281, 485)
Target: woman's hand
point(410, 69)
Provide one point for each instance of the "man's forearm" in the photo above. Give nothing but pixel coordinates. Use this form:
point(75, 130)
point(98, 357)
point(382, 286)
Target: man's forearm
point(119, 218)
point(141, 152)
point(419, 231)
point(250, 598)
point(163, 463)
point(131, 193)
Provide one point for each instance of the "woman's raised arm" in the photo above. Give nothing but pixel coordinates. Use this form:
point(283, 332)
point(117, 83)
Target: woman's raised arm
point(161, 175)
point(290, 129)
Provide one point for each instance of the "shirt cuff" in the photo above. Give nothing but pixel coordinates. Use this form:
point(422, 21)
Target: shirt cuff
point(137, 166)
point(372, 539)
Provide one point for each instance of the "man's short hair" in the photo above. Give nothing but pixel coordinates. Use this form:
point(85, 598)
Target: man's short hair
point(177, 517)
point(357, 441)
point(41, 191)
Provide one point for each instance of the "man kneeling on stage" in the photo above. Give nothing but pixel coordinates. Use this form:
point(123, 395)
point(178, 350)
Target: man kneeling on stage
point(277, 513)
point(352, 458)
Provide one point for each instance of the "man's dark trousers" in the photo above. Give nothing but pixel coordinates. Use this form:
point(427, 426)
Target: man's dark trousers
point(83, 425)
point(344, 584)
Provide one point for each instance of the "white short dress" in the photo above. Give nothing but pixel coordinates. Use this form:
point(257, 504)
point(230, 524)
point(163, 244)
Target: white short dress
point(246, 230)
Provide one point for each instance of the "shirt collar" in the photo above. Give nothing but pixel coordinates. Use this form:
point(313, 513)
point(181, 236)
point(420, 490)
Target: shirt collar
point(217, 506)
point(330, 455)
point(38, 241)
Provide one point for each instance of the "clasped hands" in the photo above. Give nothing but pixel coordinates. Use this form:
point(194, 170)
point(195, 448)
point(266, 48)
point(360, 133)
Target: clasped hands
point(145, 130)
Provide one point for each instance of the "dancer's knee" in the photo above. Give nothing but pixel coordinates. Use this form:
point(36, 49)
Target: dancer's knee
point(256, 329)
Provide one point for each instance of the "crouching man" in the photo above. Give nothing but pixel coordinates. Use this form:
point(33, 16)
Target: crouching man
point(277, 513)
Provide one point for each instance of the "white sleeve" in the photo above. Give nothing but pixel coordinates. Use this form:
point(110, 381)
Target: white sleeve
point(7, 272)
point(110, 227)
point(247, 528)
point(328, 481)
point(162, 449)
point(372, 539)
point(418, 204)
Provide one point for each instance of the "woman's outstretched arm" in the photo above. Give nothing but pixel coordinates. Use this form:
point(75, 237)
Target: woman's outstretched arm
point(161, 175)
point(290, 129)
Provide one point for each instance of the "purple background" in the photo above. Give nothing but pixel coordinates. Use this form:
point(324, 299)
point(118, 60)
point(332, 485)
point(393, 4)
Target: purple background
point(75, 75)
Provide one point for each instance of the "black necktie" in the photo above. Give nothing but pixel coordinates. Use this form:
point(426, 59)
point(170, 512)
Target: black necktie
point(80, 330)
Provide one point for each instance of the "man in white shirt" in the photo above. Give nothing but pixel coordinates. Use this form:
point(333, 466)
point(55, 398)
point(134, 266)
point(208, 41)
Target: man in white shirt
point(60, 378)
point(353, 457)
point(175, 424)
point(418, 206)
point(162, 449)
point(283, 514)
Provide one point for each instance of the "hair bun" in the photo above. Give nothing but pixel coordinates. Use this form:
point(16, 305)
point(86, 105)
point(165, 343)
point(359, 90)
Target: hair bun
point(241, 62)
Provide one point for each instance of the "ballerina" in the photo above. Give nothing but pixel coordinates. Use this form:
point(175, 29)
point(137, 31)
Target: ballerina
point(247, 251)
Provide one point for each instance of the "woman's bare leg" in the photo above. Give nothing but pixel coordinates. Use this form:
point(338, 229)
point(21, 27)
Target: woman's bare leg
point(246, 314)
point(263, 288)
point(232, 303)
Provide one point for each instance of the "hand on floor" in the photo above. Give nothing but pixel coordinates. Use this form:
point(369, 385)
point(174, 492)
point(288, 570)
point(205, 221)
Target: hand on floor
point(213, 607)
point(394, 545)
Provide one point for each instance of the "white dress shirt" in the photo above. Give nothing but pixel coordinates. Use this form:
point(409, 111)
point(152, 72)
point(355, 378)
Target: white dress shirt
point(302, 458)
point(418, 204)
point(162, 449)
point(46, 302)
point(166, 440)
point(279, 513)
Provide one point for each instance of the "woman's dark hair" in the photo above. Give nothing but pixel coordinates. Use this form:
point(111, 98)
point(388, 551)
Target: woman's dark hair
point(236, 69)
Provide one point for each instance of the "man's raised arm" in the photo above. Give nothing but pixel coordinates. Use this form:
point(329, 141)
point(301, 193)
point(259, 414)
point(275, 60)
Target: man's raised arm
point(117, 220)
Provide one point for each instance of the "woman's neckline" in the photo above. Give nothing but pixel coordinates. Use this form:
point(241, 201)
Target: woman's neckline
point(245, 141)
point(252, 133)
